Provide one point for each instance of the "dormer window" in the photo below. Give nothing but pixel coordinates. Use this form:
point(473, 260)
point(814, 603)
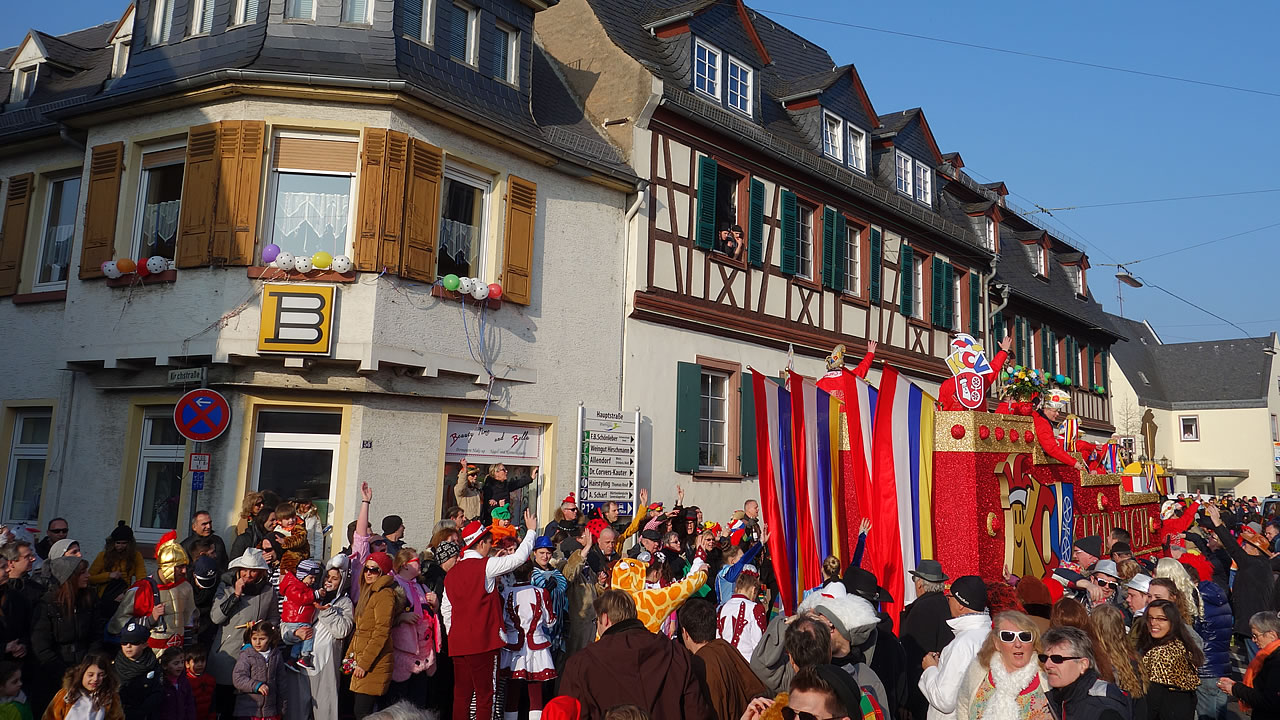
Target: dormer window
point(1040, 260)
point(246, 11)
point(506, 53)
point(706, 69)
point(989, 237)
point(120, 58)
point(903, 164)
point(857, 148)
point(161, 21)
point(355, 12)
point(24, 83)
point(462, 33)
point(201, 17)
point(833, 137)
point(738, 83)
point(924, 183)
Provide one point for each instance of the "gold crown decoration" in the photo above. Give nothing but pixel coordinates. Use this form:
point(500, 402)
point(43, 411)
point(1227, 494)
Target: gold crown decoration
point(169, 557)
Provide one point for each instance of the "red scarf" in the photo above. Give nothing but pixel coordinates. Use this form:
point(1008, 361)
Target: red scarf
point(1256, 666)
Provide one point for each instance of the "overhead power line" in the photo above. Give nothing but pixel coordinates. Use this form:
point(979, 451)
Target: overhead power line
point(1052, 210)
point(1021, 53)
point(1202, 244)
point(1244, 333)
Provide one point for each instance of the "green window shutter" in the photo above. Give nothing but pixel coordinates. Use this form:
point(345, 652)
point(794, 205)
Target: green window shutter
point(1053, 353)
point(755, 233)
point(705, 233)
point(1019, 340)
point(997, 327)
point(688, 415)
point(939, 294)
point(949, 296)
point(906, 280)
point(1093, 374)
point(790, 232)
point(747, 426)
point(829, 247)
point(842, 253)
point(873, 282)
point(975, 303)
point(1106, 358)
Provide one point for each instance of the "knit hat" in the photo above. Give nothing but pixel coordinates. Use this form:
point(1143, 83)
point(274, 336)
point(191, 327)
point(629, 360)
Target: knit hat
point(382, 560)
point(569, 501)
point(473, 533)
point(502, 512)
point(63, 568)
point(970, 592)
point(60, 548)
point(391, 523)
point(446, 550)
point(1120, 547)
point(121, 533)
point(205, 572)
point(1091, 544)
point(307, 567)
point(134, 633)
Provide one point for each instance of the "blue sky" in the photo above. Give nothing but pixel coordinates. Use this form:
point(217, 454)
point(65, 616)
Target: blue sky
point(1062, 135)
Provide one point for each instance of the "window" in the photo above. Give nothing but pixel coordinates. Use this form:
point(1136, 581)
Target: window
point(706, 69)
point(1041, 265)
point(355, 11)
point(296, 450)
point(201, 16)
point(463, 216)
point(833, 137)
point(246, 11)
point(714, 419)
point(1129, 446)
point(462, 30)
point(506, 53)
point(57, 234)
point(24, 83)
point(120, 58)
point(804, 244)
point(161, 21)
point(417, 20)
point(310, 191)
point(857, 149)
point(924, 183)
point(728, 241)
point(1189, 428)
point(1275, 429)
point(989, 235)
point(957, 311)
point(739, 86)
point(161, 460)
point(853, 261)
point(159, 199)
point(28, 455)
point(904, 173)
point(1077, 279)
point(917, 285)
point(299, 9)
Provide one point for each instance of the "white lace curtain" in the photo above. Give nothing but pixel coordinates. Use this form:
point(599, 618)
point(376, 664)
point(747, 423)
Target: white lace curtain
point(458, 240)
point(160, 222)
point(57, 252)
point(321, 216)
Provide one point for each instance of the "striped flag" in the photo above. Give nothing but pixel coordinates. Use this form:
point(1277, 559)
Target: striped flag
point(858, 403)
point(773, 462)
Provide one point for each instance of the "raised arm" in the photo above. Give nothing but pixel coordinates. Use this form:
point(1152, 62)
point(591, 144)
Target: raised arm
point(637, 517)
point(362, 519)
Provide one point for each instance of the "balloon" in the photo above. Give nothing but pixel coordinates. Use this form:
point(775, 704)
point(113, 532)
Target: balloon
point(141, 269)
point(157, 264)
point(464, 285)
point(450, 282)
point(125, 266)
point(479, 290)
point(1058, 379)
point(111, 270)
point(342, 264)
point(302, 265)
point(322, 260)
point(285, 261)
point(1066, 381)
point(495, 291)
point(270, 253)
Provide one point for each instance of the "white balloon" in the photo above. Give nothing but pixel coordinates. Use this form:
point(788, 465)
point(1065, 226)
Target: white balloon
point(479, 290)
point(464, 285)
point(285, 261)
point(110, 270)
point(302, 264)
point(341, 264)
point(157, 264)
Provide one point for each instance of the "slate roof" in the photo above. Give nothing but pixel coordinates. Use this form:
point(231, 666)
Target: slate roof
point(893, 122)
point(85, 50)
point(1197, 375)
point(1057, 294)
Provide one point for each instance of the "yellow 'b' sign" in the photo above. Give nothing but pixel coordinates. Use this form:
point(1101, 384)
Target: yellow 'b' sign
point(296, 319)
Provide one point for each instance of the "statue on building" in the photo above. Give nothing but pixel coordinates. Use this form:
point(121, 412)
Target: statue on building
point(1149, 429)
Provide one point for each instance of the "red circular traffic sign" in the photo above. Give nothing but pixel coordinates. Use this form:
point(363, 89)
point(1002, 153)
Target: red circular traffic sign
point(202, 415)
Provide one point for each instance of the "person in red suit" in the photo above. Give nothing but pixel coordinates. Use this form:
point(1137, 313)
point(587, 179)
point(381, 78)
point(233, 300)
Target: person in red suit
point(1052, 404)
point(947, 393)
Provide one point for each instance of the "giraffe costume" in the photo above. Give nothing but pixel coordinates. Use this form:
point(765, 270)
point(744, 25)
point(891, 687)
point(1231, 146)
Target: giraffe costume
point(653, 606)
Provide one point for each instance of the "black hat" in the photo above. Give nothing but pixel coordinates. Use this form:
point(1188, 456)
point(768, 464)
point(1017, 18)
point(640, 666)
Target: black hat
point(862, 583)
point(1091, 544)
point(391, 523)
point(970, 591)
point(654, 535)
point(846, 689)
point(135, 633)
point(930, 571)
point(1119, 547)
point(205, 572)
point(121, 533)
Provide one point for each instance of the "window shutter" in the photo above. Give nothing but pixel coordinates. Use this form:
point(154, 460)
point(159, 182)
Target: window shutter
point(688, 415)
point(13, 231)
point(235, 220)
point(1051, 351)
point(106, 165)
point(199, 196)
point(1019, 340)
point(906, 280)
point(790, 233)
point(1093, 369)
point(755, 233)
point(828, 247)
point(372, 174)
point(997, 327)
point(422, 211)
point(1106, 358)
point(842, 254)
point(975, 303)
point(393, 185)
point(873, 273)
point(250, 11)
point(411, 21)
point(522, 211)
point(746, 425)
point(938, 297)
point(705, 233)
point(949, 302)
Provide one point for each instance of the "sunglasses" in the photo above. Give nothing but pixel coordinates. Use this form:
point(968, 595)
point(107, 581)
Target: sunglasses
point(790, 714)
point(1107, 584)
point(372, 569)
point(1057, 659)
point(57, 531)
point(1008, 636)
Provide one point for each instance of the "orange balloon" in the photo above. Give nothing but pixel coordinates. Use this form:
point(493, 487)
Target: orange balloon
point(126, 266)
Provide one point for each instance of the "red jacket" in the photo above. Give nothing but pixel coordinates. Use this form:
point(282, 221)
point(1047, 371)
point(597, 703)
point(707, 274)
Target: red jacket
point(947, 393)
point(299, 600)
point(202, 687)
point(1049, 440)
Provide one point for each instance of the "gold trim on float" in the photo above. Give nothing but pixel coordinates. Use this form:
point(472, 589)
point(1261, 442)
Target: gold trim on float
point(1087, 480)
point(1128, 498)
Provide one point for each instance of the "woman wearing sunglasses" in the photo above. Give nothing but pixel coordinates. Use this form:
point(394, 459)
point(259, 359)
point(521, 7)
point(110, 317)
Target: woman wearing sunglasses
point(1170, 657)
point(370, 655)
point(1005, 681)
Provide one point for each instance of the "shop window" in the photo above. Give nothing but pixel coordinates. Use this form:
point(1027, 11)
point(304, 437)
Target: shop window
point(311, 179)
point(159, 201)
point(295, 455)
point(489, 448)
point(58, 233)
point(463, 223)
point(28, 456)
point(1189, 428)
point(161, 460)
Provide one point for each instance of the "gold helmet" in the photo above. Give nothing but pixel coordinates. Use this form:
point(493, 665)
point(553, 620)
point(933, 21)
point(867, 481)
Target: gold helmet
point(169, 557)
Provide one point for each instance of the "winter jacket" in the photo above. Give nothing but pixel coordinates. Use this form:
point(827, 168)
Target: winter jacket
point(1251, 592)
point(251, 672)
point(299, 600)
point(371, 645)
point(202, 692)
point(131, 571)
point(179, 701)
point(580, 625)
point(1264, 697)
point(60, 640)
point(769, 660)
point(923, 629)
point(941, 683)
point(141, 686)
point(1214, 627)
point(232, 614)
point(60, 708)
point(1089, 697)
point(415, 644)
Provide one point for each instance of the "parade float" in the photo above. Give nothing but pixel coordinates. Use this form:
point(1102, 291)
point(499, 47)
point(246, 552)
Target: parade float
point(987, 489)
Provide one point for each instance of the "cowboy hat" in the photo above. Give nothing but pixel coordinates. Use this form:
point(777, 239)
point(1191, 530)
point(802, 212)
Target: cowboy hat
point(250, 560)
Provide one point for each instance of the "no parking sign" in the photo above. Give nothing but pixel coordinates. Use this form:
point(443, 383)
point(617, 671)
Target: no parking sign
point(202, 415)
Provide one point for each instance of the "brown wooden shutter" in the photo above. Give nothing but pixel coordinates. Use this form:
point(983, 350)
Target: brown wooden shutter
point(422, 210)
point(199, 196)
point(372, 171)
point(393, 189)
point(106, 166)
point(235, 223)
point(522, 211)
point(13, 231)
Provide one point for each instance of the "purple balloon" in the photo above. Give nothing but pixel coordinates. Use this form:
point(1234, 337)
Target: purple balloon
point(270, 252)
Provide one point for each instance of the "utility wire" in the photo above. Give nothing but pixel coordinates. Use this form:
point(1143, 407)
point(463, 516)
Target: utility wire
point(1050, 211)
point(1242, 322)
point(1245, 333)
point(1020, 53)
point(1202, 244)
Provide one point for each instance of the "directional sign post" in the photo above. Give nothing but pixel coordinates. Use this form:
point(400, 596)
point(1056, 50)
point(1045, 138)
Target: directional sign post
point(607, 458)
point(202, 415)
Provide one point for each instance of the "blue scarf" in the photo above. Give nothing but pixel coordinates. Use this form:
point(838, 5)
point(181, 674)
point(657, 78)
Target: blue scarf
point(555, 585)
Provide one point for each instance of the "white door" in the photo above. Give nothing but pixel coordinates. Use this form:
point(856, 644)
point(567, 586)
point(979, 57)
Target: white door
point(295, 454)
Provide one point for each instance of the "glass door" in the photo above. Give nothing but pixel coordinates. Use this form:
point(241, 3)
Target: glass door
point(295, 455)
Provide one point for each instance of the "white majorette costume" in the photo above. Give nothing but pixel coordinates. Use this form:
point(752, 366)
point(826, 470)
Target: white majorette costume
point(168, 587)
point(527, 619)
point(742, 621)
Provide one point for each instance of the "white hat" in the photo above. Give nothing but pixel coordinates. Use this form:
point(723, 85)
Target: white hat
point(61, 547)
point(1107, 567)
point(1141, 583)
point(251, 560)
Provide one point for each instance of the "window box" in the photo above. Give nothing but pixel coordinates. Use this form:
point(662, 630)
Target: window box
point(274, 273)
point(440, 292)
point(167, 276)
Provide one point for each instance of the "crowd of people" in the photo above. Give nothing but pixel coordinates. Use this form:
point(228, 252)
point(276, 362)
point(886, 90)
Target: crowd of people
point(664, 615)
